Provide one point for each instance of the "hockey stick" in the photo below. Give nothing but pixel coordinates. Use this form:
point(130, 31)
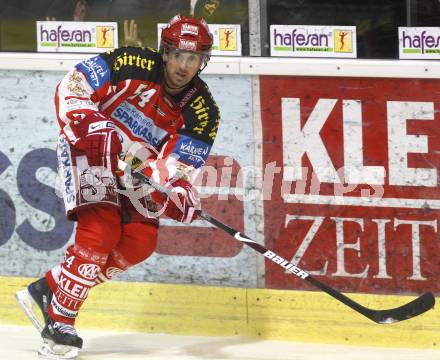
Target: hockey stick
point(414, 308)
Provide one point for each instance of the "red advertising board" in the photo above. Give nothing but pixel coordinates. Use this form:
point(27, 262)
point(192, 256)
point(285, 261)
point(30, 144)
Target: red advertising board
point(355, 199)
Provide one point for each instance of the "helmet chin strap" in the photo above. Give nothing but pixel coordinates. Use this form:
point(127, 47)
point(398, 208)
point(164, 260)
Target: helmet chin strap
point(205, 64)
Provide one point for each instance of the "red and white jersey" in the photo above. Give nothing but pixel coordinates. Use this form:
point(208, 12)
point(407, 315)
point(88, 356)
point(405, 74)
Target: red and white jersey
point(126, 86)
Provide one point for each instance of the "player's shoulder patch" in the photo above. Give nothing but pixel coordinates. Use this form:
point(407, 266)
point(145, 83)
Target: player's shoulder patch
point(134, 63)
point(95, 70)
point(202, 115)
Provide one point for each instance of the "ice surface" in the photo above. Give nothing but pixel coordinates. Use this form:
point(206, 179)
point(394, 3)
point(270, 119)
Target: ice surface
point(22, 343)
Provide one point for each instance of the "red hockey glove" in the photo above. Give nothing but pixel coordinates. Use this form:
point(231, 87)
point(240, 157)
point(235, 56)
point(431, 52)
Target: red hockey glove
point(182, 201)
point(97, 137)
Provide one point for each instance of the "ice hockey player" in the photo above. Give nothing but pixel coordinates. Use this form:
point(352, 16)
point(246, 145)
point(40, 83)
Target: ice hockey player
point(150, 109)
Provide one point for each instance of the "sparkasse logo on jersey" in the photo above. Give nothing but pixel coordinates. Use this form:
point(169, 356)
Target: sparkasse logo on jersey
point(73, 36)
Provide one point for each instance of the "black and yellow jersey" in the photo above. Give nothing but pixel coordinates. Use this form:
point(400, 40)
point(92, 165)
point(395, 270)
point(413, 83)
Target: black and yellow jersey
point(126, 85)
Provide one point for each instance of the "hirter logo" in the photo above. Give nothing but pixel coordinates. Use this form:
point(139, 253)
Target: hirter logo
point(188, 29)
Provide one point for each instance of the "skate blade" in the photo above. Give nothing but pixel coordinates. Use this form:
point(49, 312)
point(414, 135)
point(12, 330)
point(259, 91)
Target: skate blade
point(51, 351)
point(29, 306)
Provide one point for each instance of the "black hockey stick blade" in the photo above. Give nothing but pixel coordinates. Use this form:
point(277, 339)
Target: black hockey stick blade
point(413, 308)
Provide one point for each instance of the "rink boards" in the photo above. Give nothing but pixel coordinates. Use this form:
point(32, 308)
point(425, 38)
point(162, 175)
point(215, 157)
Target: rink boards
point(301, 316)
point(335, 174)
point(331, 164)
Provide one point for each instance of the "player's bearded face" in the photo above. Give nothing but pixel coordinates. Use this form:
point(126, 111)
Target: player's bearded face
point(181, 66)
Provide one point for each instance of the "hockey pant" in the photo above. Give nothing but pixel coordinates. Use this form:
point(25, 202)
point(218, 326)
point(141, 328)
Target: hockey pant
point(103, 248)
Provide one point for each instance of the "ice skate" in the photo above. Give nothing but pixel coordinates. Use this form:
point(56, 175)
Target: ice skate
point(60, 341)
point(36, 296)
